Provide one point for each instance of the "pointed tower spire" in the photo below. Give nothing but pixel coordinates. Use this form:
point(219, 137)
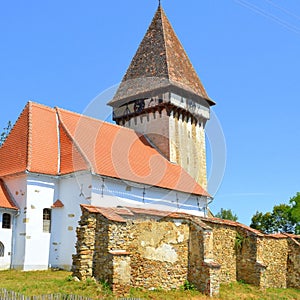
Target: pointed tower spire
point(160, 64)
point(162, 97)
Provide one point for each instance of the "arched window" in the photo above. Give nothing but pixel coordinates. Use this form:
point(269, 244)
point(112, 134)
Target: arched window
point(1, 250)
point(46, 220)
point(6, 220)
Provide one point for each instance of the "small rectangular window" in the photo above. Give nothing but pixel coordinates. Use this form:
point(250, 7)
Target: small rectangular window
point(47, 220)
point(6, 221)
point(1, 250)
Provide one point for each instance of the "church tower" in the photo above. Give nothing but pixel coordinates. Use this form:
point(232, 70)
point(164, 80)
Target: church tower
point(162, 97)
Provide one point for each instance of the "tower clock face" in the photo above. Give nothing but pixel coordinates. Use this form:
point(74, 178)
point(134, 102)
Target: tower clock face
point(139, 105)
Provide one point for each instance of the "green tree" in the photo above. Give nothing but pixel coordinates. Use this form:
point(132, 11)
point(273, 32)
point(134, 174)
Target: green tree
point(283, 218)
point(262, 222)
point(226, 214)
point(5, 133)
point(295, 211)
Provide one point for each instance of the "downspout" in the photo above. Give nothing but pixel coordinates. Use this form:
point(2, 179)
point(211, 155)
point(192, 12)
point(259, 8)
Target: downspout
point(13, 238)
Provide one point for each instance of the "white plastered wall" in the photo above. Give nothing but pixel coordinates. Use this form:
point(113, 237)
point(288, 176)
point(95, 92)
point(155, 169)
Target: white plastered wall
point(6, 240)
point(108, 192)
point(73, 191)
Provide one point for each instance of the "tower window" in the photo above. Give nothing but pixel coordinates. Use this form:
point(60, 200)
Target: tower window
point(1, 249)
point(6, 221)
point(46, 220)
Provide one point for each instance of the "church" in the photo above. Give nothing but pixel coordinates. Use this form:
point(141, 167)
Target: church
point(127, 203)
point(153, 158)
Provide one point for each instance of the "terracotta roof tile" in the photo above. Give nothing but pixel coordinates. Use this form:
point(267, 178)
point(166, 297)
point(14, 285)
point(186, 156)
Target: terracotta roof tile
point(116, 214)
point(108, 212)
point(159, 63)
point(14, 151)
point(71, 160)
point(43, 140)
point(32, 144)
point(232, 223)
point(118, 152)
point(248, 228)
point(5, 198)
point(57, 204)
point(56, 141)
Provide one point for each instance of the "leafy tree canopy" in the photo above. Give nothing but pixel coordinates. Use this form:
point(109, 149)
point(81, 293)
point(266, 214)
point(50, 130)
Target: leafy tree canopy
point(295, 211)
point(5, 133)
point(283, 218)
point(226, 214)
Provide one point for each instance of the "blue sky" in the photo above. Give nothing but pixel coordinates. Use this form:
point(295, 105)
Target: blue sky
point(65, 53)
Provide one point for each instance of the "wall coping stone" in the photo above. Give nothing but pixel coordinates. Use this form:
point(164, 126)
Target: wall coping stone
point(119, 252)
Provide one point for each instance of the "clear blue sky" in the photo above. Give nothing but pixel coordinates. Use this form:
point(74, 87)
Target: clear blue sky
point(246, 52)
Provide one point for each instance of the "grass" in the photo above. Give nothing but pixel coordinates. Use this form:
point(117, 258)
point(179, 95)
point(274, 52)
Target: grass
point(49, 282)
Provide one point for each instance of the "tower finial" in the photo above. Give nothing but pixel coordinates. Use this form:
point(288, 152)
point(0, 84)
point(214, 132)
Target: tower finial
point(159, 3)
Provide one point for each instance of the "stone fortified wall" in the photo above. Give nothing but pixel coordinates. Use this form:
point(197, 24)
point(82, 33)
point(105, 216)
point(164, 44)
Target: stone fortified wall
point(246, 254)
point(130, 247)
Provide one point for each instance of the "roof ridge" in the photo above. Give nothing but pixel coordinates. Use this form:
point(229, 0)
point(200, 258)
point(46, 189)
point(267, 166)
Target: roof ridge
point(29, 136)
point(14, 124)
point(98, 120)
point(40, 105)
point(30, 104)
point(162, 14)
point(80, 151)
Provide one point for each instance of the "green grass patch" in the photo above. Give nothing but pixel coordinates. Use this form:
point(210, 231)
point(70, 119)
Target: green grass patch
point(53, 281)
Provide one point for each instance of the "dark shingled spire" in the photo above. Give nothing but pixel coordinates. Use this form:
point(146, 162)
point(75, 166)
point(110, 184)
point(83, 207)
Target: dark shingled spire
point(160, 64)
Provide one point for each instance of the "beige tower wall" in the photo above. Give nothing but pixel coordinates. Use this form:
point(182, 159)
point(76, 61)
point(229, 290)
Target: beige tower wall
point(187, 147)
point(156, 127)
point(177, 138)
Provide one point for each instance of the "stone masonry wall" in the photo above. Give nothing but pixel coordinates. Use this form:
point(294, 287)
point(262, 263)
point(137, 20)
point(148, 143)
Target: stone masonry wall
point(145, 252)
point(247, 267)
point(293, 264)
point(224, 251)
point(152, 252)
point(158, 250)
point(85, 247)
point(248, 255)
point(203, 272)
point(272, 252)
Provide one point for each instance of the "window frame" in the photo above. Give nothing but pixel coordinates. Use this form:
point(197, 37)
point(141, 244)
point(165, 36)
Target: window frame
point(6, 223)
point(47, 217)
point(2, 249)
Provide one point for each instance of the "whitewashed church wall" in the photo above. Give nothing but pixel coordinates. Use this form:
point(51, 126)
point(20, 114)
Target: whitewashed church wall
point(41, 193)
point(18, 189)
point(6, 241)
point(73, 191)
point(112, 192)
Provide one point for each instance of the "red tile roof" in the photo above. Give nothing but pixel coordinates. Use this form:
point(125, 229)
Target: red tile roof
point(248, 228)
point(57, 204)
point(32, 144)
point(5, 198)
point(56, 141)
point(117, 214)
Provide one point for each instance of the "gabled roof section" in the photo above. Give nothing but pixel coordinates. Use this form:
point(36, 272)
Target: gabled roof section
point(160, 63)
point(14, 151)
point(57, 142)
point(5, 198)
point(32, 144)
point(57, 204)
point(122, 153)
point(71, 159)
